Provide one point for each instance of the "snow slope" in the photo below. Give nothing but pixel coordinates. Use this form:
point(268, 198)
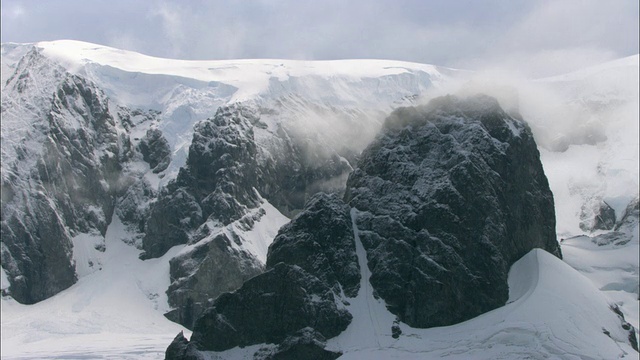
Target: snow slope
point(188, 91)
point(115, 310)
point(553, 312)
point(612, 268)
point(594, 117)
point(113, 313)
point(250, 77)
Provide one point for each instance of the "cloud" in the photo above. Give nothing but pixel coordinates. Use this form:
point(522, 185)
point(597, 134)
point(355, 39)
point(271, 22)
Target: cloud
point(539, 37)
point(543, 62)
point(560, 36)
point(172, 19)
point(14, 11)
point(122, 40)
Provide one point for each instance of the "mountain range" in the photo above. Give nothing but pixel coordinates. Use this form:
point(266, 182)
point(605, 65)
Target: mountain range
point(141, 194)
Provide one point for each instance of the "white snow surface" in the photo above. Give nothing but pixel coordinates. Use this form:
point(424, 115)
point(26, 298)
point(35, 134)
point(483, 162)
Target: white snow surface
point(255, 240)
point(115, 310)
point(111, 313)
point(612, 268)
point(553, 312)
point(251, 77)
point(601, 101)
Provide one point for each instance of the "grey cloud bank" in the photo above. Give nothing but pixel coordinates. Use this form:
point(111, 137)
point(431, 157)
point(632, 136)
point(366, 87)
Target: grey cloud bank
point(538, 38)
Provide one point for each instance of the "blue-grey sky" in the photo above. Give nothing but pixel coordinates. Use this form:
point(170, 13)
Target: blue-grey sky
point(539, 37)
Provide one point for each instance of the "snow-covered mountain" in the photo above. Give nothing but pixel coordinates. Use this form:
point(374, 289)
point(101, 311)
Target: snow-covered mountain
point(110, 157)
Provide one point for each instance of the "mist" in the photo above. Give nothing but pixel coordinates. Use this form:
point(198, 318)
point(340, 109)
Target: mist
point(536, 37)
point(585, 124)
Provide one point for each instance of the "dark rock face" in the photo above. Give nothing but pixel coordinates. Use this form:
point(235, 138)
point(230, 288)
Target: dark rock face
point(227, 172)
point(226, 167)
point(180, 348)
point(629, 219)
point(445, 200)
point(219, 268)
point(216, 266)
point(38, 266)
point(321, 242)
point(626, 326)
point(597, 215)
point(449, 196)
point(295, 292)
point(268, 308)
point(155, 150)
point(624, 231)
point(72, 150)
point(304, 344)
point(170, 221)
point(299, 172)
point(75, 180)
point(217, 183)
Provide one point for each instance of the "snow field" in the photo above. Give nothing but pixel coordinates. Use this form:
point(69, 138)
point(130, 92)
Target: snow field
point(112, 313)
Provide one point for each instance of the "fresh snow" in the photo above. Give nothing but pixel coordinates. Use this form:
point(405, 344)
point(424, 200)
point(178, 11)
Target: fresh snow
point(552, 312)
point(255, 240)
point(4, 280)
point(618, 65)
point(250, 76)
point(371, 324)
point(114, 312)
point(612, 268)
point(86, 253)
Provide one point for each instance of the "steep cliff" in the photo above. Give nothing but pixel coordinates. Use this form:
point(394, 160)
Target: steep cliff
point(444, 201)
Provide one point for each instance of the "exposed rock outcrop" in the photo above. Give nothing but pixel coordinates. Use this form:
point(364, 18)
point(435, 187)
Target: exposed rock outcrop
point(629, 220)
point(596, 214)
point(624, 231)
point(217, 183)
point(270, 307)
point(321, 242)
point(450, 194)
point(229, 172)
point(304, 344)
point(295, 292)
point(201, 275)
point(448, 197)
point(155, 150)
point(73, 183)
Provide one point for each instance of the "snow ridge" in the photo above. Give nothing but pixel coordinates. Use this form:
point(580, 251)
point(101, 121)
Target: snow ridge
point(544, 318)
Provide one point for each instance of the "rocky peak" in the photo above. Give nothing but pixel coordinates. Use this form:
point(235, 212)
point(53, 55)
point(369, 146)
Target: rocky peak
point(217, 184)
point(448, 197)
point(457, 187)
point(65, 188)
point(310, 263)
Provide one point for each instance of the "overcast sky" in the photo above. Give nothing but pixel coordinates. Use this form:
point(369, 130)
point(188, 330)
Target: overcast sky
point(537, 37)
